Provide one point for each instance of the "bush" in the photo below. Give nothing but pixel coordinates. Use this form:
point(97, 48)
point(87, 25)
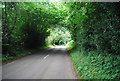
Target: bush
point(70, 45)
point(96, 65)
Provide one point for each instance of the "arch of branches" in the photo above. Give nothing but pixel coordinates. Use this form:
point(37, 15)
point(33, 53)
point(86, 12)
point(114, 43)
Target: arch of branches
point(92, 26)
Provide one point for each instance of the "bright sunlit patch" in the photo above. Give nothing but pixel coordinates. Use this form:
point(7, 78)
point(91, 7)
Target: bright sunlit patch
point(59, 47)
point(57, 1)
point(58, 36)
point(54, 0)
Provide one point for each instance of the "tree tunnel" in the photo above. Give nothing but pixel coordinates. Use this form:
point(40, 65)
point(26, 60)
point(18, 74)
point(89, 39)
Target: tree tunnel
point(35, 24)
point(91, 29)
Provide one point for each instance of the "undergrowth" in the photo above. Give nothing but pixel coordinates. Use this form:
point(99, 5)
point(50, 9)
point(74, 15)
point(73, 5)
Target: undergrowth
point(21, 53)
point(96, 65)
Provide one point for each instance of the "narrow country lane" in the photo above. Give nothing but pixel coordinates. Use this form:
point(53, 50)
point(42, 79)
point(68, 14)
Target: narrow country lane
point(53, 63)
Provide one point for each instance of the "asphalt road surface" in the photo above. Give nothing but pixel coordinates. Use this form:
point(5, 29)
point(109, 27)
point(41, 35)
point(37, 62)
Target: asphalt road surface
point(53, 63)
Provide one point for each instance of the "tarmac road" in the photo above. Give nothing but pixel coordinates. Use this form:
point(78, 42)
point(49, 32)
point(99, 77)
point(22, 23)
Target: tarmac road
point(52, 63)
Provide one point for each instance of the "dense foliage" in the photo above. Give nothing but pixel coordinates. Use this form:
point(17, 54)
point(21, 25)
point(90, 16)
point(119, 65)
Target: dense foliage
point(25, 25)
point(92, 27)
point(96, 26)
point(95, 30)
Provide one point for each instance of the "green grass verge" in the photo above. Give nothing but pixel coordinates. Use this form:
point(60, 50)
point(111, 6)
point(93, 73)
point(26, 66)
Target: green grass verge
point(96, 65)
